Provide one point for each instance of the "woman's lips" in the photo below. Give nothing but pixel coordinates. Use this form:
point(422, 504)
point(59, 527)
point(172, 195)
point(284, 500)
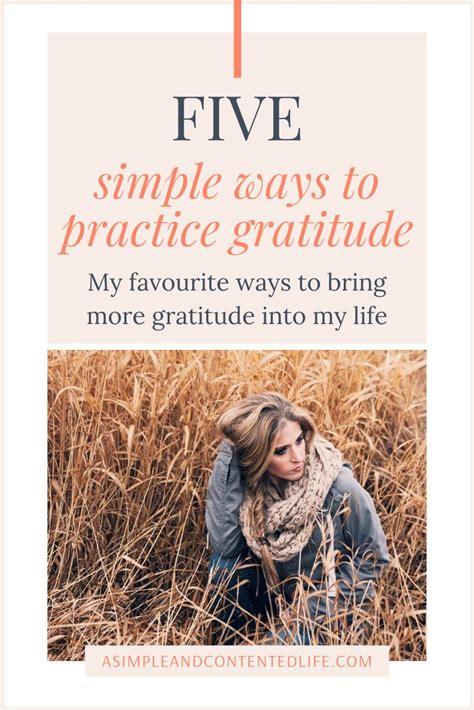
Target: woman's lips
point(298, 468)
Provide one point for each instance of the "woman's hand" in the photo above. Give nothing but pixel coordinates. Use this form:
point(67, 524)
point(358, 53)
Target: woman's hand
point(285, 610)
point(286, 616)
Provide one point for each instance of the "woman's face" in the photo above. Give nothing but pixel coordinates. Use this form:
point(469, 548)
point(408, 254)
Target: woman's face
point(287, 462)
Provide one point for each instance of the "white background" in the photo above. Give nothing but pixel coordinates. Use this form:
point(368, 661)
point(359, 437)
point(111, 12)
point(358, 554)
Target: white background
point(444, 680)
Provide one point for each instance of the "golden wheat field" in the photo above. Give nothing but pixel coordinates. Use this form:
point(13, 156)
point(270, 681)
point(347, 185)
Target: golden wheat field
point(132, 441)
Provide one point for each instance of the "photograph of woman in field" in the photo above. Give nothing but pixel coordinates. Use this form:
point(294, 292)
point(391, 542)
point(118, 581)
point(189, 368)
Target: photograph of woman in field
point(239, 497)
point(283, 506)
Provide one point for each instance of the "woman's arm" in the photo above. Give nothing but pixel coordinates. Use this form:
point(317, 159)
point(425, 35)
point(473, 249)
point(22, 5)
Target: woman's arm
point(365, 538)
point(224, 496)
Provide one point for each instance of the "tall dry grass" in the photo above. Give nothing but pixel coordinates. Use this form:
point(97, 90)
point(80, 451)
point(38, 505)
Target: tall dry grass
point(131, 444)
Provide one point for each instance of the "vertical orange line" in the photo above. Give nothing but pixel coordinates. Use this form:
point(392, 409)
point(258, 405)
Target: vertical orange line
point(237, 39)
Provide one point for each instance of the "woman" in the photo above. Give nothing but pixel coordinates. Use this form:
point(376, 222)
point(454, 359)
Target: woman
point(283, 514)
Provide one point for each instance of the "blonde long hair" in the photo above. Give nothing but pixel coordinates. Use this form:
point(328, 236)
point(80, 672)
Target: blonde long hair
point(253, 425)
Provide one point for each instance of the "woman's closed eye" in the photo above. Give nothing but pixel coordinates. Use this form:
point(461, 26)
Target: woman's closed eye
point(281, 451)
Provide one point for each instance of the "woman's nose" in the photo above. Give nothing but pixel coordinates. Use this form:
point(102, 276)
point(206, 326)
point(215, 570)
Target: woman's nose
point(296, 454)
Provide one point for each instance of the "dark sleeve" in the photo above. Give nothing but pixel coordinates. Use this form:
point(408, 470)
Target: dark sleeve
point(224, 496)
point(365, 539)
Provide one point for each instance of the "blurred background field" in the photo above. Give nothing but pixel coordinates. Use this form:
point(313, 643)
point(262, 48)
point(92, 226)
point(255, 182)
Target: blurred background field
point(131, 444)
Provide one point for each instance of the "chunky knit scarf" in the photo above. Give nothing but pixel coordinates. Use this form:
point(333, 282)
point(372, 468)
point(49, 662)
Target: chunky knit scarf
point(290, 518)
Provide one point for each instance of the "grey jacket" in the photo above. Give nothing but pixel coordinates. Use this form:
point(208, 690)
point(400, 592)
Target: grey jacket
point(358, 541)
